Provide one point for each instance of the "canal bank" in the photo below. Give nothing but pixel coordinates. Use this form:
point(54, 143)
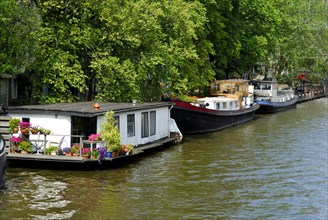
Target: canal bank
point(274, 167)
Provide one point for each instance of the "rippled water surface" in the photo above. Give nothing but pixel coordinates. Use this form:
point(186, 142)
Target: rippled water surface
point(274, 167)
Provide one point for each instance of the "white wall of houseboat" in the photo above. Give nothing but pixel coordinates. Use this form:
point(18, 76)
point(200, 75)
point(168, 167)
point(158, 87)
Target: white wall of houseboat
point(162, 126)
point(58, 124)
point(61, 125)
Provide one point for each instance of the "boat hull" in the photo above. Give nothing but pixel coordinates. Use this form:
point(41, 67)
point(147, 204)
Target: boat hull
point(3, 162)
point(272, 107)
point(193, 120)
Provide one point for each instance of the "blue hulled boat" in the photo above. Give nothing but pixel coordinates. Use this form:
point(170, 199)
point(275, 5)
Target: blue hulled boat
point(273, 97)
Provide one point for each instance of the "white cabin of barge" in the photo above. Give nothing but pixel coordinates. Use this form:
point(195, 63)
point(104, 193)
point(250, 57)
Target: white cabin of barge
point(139, 123)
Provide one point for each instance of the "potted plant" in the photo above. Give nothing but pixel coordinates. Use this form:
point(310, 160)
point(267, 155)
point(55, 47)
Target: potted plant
point(45, 131)
point(110, 132)
point(51, 150)
point(25, 127)
point(15, 141)
point(94, 137)
point(25, 147)
point(67, 151)
point(13, 125)
point(86, 152)
point(34, 129)
point(75, 149)
point(116, 150)
point(127, 149)
point(95, 154)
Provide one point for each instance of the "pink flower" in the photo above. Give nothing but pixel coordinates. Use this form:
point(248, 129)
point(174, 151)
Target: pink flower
point(94, 137)
point(24, 124)
point(15, 140)
point(86, 151)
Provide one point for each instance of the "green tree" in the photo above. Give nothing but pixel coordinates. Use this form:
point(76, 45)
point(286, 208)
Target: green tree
point(121, 50)
point(18, 25)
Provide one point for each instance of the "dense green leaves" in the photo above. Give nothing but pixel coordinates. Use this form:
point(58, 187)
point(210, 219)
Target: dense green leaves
point(18, 26)
point(123, 50)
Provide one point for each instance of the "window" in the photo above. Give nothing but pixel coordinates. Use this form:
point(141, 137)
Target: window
point(148, 124)
point(117, 119)
point(14, 88)
point(144, 124)
point(131, 125)
point(152, 123)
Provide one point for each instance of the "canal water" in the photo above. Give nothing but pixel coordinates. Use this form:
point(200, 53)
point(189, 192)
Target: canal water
point(274, 167)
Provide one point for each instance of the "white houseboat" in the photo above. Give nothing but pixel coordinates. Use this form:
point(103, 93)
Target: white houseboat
point(144, 125)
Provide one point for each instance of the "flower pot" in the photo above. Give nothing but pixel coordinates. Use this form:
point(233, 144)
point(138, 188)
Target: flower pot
point(68, 154)
point(24, 130)
point(76, 155)
point(15, 130)
point(53, 153)
point(109, 154)
point(24, 152)
point(34, 131)
point(85, 157)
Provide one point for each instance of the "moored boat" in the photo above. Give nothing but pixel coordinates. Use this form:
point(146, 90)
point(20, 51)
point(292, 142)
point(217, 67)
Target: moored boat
point(2, 162)
point(307, 91)
point(272, 97)
point(231, 104)
point(145, 126)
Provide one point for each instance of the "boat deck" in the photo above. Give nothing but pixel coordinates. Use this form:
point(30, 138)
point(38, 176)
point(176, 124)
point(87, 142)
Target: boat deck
point(38, 159)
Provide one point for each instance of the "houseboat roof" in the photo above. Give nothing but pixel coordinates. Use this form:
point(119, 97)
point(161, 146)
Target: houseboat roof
point(83, 109)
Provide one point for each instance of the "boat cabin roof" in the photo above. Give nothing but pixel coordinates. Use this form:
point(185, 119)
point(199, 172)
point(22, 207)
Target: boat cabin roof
point(84, 109)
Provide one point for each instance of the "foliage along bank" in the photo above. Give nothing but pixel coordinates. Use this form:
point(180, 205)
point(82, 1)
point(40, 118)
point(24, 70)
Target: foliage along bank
point(136, 50)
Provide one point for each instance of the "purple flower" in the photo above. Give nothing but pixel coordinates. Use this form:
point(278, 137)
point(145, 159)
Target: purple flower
point(66, 149)
point(102, 153)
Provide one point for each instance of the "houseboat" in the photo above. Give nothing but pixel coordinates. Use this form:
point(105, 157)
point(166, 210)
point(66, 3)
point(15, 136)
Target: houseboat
point(3, 164)
point(273, 97)
point(146, 126)
point(307, 91)
point(230, 103)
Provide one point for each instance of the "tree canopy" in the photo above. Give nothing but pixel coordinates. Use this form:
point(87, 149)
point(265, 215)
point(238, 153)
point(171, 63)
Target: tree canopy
point(123, 50)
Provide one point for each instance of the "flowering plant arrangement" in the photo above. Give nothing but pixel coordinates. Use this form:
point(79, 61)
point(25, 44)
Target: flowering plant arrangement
point(127, 148)
point(66, 150)
point(75, 149)
point(24, 124)
point(102, 153)
point(45, 131)
point(35, 129)
point(25, 145)
point(15, 140)
point(14, 122)
point(94, 137)
point(95, 153)
point(86, 151)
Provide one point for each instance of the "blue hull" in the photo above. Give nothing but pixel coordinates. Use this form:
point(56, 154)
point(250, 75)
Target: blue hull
point(272, 107)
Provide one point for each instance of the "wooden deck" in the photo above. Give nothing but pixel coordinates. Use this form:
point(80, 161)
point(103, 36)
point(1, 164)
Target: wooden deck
point(42, 160)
